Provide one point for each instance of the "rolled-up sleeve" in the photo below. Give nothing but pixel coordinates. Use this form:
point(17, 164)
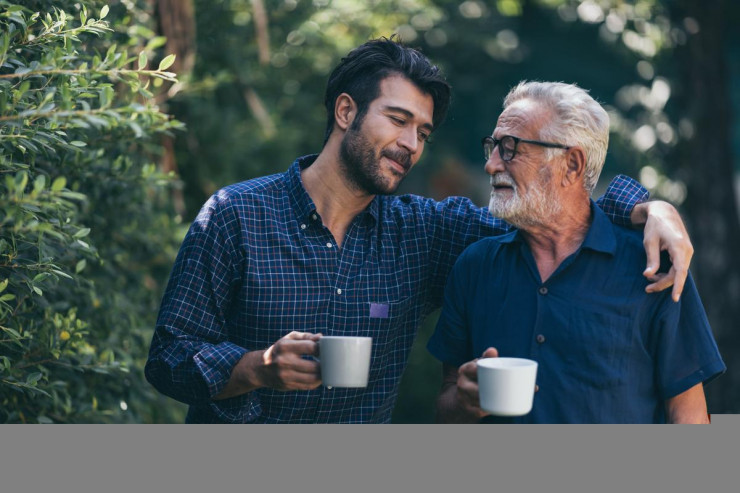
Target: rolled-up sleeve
point(622, 195)
point(190, 358)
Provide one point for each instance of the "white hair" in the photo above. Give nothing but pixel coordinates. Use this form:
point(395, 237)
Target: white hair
point(578, 121)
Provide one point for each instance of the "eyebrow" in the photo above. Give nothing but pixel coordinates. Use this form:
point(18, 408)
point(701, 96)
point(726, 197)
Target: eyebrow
point(408, 114)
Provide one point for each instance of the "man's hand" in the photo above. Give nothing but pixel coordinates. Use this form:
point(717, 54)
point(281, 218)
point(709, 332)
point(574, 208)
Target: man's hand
point(459, 400)
point(664, 231)
point(281, 367)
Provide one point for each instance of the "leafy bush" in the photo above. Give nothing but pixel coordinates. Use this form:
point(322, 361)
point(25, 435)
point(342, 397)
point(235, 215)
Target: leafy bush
point(87, 234)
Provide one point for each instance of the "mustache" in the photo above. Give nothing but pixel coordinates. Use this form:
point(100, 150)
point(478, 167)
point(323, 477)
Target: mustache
point(401, 157)
point(502, 179)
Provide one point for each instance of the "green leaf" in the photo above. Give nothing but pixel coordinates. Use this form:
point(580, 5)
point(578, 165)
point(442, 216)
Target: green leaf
point(38, 291)
point(78, 143)
point(40, 277)
point(58, 184)
point(142, 60)
point(39, 183)
point(80, 266)
point(3, 285)
point(155, 43)
point(12, 332)
point(166, 62)
point(34, 378)
point(111, 52)
point(104, 12)
point(7, 297)
point(82, 233)
point(60, 273)
point(21, 180)
point(106, 96)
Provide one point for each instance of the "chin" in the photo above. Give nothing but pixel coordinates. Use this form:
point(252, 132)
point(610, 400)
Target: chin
point(500, 208)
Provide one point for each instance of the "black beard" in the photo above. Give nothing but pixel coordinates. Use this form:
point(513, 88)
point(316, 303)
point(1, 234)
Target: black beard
point(361, 163)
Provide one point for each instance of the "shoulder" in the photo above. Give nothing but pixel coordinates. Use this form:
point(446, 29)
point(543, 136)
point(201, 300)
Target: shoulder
point(230, 205)
point(449, 209)
point(485, 251)
point(247, 193)
point(629, 243)
point(249, 189)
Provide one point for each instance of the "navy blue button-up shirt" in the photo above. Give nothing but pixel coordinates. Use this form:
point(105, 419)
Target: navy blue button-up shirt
point(258, 263)
point(607, 351)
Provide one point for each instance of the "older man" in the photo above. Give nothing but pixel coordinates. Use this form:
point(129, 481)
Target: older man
point(563, 289)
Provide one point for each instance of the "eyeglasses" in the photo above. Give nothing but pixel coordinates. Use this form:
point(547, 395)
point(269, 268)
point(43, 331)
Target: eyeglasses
point(507, 146)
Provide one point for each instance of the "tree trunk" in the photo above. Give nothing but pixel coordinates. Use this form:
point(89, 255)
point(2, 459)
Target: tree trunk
point(705, 164)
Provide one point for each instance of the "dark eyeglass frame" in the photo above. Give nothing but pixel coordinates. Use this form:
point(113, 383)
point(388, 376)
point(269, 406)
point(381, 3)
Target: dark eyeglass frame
point(490, 143)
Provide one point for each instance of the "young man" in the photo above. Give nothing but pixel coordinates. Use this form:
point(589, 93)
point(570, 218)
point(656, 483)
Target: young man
point(271, 263)
point(564, 290)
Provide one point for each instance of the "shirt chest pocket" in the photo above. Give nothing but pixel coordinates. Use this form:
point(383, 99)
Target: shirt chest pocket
point(383, 320)
point(598, 348)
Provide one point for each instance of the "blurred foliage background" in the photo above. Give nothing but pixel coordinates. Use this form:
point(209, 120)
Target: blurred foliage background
point(140, 152)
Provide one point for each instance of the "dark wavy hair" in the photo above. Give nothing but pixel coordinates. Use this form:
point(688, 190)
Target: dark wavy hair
point(359, 74)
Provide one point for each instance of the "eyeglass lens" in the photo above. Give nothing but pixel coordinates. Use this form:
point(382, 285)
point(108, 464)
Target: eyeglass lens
point(506, 147)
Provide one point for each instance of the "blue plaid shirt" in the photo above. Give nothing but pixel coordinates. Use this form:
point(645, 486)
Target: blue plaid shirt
point(258, 263)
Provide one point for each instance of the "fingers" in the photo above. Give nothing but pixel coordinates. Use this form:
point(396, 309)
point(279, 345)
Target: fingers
point(467, 389)
point(680, 269)
point(284, 365)
point(660, 282)
point(665, 231)
point(491, 352)
point(664, 281)
point(652, 250)
point(302, 336)
point(299, 343)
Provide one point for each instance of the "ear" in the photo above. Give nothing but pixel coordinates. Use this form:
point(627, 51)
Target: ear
point(345, 110)
point(575, 166)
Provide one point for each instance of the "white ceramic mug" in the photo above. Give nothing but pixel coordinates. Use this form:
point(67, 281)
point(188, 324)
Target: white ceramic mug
point(506, 385)
point(344, 360)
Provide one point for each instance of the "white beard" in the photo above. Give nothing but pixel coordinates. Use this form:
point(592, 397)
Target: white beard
point(538, 206)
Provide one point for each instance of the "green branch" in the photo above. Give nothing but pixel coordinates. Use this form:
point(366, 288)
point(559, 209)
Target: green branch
point(170, 76)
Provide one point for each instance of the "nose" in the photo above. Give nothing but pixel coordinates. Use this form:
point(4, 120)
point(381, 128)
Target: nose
point(494, 163)
point(408, 140)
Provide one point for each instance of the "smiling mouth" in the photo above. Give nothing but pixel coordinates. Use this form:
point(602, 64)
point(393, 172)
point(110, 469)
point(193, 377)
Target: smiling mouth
point(399, 167)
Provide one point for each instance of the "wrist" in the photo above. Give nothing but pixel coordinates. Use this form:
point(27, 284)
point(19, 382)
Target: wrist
point(639, 214)
point(249, 371)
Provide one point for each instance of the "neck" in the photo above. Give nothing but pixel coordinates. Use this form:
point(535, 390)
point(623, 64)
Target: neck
point(336, 201)
point(554, 240)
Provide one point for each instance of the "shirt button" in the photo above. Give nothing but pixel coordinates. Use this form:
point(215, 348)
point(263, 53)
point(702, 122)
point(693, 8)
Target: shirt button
point(536, 388)
point(303, 226)
point(339, 291)
point(328, 245)
point(543, 290)
point(314, 217)
point(540, 338)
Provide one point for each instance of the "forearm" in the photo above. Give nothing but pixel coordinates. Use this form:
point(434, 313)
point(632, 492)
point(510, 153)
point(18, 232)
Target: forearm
point(245, 377)
point(689, 407)
point(187, 369)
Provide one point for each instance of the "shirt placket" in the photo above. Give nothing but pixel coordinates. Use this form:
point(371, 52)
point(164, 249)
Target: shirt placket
point(347, 268)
